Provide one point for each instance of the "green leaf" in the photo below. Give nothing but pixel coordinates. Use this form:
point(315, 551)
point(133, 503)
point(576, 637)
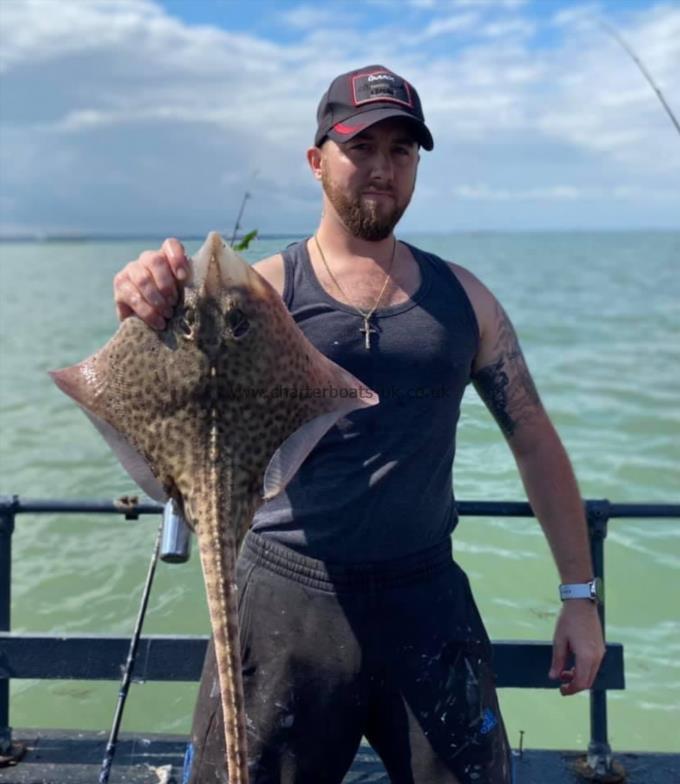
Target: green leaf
point(245, 241)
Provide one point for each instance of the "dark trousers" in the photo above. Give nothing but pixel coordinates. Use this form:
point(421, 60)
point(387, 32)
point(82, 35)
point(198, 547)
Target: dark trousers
point(395, 652)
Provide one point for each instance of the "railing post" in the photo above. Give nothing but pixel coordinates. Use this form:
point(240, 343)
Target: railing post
point(8, 505)
point(599, 751)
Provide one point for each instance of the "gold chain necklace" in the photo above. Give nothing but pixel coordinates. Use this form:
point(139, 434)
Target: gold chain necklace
point(367, 330)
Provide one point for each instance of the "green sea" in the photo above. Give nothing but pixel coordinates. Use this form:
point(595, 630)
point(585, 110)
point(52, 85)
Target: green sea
point(598, 315)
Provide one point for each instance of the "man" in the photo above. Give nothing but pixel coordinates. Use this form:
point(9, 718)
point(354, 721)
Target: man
point(354, 618)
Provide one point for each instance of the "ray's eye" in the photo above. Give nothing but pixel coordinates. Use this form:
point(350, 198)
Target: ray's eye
point(186, 323)
point(237, 322)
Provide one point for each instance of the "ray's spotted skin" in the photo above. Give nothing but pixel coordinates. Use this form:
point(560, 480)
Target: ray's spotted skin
point(190, 413)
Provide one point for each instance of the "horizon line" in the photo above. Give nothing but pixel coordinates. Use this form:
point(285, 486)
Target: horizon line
point(76, 236)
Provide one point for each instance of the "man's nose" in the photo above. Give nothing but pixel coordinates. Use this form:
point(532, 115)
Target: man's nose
point(382, 165)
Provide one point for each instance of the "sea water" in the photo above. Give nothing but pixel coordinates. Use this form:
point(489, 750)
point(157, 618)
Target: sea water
point(598, 316)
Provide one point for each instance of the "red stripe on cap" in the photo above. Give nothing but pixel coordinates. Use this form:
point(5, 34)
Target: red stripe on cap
point(342, 128)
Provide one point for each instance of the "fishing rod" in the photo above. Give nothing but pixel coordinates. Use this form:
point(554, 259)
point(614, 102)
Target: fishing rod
point(629, 50)
point(247, 195)
point(105, 771)
point(237, 225)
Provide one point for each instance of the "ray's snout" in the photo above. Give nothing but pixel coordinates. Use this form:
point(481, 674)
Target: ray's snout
point(217, 267)
point(213, 283)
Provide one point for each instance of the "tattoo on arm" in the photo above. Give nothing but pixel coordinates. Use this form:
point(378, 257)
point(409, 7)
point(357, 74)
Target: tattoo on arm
point(506, 385)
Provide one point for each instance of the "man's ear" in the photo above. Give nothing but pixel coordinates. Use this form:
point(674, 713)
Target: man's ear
point(314, 156)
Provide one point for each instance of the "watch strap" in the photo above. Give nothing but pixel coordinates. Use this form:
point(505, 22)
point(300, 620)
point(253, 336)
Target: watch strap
point(578, 591)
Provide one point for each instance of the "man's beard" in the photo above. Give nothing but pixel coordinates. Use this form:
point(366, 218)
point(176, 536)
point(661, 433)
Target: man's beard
point(363, 219)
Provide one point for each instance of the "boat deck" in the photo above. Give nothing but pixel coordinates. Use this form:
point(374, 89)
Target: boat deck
point(57, 757)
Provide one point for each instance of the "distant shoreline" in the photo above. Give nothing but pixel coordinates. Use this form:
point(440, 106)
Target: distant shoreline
point(38, 237)
point(123, 237)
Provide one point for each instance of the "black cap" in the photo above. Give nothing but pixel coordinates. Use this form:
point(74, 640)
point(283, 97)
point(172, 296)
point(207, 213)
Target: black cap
point(360, 98)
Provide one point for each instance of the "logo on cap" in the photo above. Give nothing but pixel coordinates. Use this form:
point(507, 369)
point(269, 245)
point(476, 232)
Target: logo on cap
point(380, 86)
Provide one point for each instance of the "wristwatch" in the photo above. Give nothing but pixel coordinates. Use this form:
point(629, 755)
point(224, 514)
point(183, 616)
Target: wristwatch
point(592, 590)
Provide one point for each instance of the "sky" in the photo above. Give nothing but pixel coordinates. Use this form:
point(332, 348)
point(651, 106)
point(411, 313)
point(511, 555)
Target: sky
point(156, 116)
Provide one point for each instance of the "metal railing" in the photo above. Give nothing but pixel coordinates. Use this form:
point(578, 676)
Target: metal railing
point(18, 648)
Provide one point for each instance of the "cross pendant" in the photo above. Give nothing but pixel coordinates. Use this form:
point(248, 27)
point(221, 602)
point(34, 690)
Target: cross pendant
point(367, 330)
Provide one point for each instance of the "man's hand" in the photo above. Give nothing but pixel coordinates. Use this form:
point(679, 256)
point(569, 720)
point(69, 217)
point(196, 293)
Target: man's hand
point(149, 286)
point(577, 631)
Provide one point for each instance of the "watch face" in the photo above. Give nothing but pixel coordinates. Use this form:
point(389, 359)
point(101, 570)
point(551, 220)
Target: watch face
point(597, 590)
point(593, 590)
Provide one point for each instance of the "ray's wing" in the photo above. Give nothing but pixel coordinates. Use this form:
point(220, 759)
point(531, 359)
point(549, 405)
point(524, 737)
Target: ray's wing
point(130, 389)
point(81, 383)
point(346, 394)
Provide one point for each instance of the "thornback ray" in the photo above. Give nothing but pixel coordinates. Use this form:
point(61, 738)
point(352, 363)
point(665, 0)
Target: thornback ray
point(217, 411)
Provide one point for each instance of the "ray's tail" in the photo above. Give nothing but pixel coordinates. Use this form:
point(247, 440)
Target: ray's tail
point(217, 547)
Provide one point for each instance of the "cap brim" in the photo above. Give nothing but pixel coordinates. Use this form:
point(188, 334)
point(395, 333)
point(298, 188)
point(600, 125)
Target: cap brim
point(349, 128)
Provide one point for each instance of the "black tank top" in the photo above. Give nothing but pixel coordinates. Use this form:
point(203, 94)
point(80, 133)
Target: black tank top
point(379, 484)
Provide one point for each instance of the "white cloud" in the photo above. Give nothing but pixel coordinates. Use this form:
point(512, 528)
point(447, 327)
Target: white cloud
point(44, 30)
point(603, 102)
point(308, 17)
point(521, 28)
point(135, 29)
point(483, 192)
point(490, 4)
point(457, 23)
point(486, 193)
point(121, 103)
point(582, 16)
